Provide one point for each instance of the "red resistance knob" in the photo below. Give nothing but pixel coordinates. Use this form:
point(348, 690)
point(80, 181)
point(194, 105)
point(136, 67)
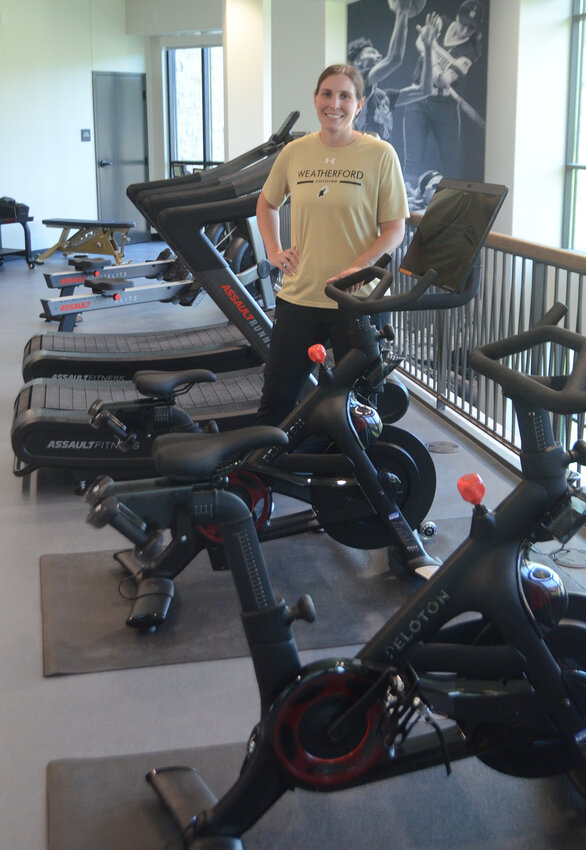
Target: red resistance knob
point(317, 353)
point(472, 488)
point(116, 297)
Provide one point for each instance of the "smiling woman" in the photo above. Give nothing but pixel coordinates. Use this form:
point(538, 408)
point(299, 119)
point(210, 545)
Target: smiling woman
point(338, 99)
point(348, 207)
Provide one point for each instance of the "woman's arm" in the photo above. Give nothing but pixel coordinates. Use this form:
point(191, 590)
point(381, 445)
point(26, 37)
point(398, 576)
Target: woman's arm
point(391, 236)
point(267, 217)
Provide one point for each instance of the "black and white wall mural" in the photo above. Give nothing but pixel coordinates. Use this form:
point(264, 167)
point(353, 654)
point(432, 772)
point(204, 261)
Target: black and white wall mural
point(424, 64)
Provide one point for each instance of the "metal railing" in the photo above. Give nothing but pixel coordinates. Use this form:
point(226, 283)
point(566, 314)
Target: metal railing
point(520, 283)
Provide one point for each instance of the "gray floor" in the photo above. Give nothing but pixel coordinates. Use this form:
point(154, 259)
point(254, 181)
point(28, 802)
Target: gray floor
point(129, 711)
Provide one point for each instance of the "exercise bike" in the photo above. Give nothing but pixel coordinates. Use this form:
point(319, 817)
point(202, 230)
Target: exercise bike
point(370, 486)
point(499, 655)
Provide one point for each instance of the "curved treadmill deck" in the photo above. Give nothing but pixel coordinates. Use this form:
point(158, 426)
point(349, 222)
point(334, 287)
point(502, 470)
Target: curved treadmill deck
point(51, 425)
point(112, 357)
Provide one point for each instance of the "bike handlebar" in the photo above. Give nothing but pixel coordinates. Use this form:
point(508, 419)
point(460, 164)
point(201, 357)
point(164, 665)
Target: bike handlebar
point(558, 394)
point(376, 301)
point(416, 298)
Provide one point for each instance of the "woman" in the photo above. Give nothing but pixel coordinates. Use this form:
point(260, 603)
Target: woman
point(348, 207)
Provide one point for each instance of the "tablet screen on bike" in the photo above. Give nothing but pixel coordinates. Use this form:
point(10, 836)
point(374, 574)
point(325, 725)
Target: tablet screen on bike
point(453, 230)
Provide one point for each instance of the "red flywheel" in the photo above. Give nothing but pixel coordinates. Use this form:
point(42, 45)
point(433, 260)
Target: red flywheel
point(253, 492)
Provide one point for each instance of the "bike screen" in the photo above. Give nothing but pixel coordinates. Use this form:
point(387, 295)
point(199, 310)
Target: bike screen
point(452, 231)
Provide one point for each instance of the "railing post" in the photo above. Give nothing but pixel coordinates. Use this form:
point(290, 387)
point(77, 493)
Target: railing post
point(441, 369)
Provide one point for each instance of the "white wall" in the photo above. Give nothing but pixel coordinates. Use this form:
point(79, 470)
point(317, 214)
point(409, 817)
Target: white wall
point(246, 74)
point(527, 114)
point(503, 38)
point(153, 17)
point(542, 110)
point(336, 33)
point(303, 44)
point(48, 51)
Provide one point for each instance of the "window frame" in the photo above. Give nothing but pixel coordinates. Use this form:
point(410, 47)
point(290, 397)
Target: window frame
point(184, 166)
point(576, 125)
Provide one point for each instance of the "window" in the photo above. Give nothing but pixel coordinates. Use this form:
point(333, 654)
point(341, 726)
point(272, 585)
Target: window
point(574, 226)
point(195, 78)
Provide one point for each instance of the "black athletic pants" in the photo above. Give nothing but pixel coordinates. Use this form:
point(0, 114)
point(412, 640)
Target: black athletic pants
point(295, 329)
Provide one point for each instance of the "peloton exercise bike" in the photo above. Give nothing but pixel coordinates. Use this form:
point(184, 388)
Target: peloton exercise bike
point(226, 347)
point(496, 650)
point(371, 488)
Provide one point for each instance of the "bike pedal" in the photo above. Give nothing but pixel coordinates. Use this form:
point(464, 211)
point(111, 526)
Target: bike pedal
point(426, 571)
point(151, 603)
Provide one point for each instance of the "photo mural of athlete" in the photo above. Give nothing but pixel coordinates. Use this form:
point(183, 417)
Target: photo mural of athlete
point(376, 115)
point(456, 47)
point(348, 207)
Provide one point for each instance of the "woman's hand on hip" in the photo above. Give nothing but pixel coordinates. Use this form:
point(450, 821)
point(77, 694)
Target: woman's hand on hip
point(287, 260)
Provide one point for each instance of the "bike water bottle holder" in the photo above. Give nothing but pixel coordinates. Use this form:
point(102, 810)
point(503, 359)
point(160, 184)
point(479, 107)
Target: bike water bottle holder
point(375, 377)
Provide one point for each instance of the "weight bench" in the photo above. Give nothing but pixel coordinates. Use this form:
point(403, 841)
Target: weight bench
point(90, 237)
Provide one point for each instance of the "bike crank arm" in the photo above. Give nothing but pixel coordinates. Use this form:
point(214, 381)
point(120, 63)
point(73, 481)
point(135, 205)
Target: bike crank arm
point(407, 546)
point(405, 542)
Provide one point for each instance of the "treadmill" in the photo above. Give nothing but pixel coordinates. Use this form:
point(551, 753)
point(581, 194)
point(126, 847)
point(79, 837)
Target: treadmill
point(224, 347)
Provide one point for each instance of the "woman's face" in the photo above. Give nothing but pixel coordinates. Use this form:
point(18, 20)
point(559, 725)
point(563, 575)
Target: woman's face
point(336, 103)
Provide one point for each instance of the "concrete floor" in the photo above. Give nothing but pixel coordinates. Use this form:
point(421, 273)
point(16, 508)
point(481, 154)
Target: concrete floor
point(127, 711)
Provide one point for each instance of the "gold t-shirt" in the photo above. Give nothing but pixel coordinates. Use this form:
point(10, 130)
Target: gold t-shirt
point(338, 197)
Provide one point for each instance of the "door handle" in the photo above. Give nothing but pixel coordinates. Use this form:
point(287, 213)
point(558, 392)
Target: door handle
point(103, 162)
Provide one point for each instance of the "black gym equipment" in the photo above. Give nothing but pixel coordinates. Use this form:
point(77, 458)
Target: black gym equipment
point(470, 665)
point(51, 426)
point(119, 356)
point(12, 212)
point(369, 488)
point(108, 356)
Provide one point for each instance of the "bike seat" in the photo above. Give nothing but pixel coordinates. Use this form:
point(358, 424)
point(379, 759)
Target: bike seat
point(197, 457)
point(156, 383)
